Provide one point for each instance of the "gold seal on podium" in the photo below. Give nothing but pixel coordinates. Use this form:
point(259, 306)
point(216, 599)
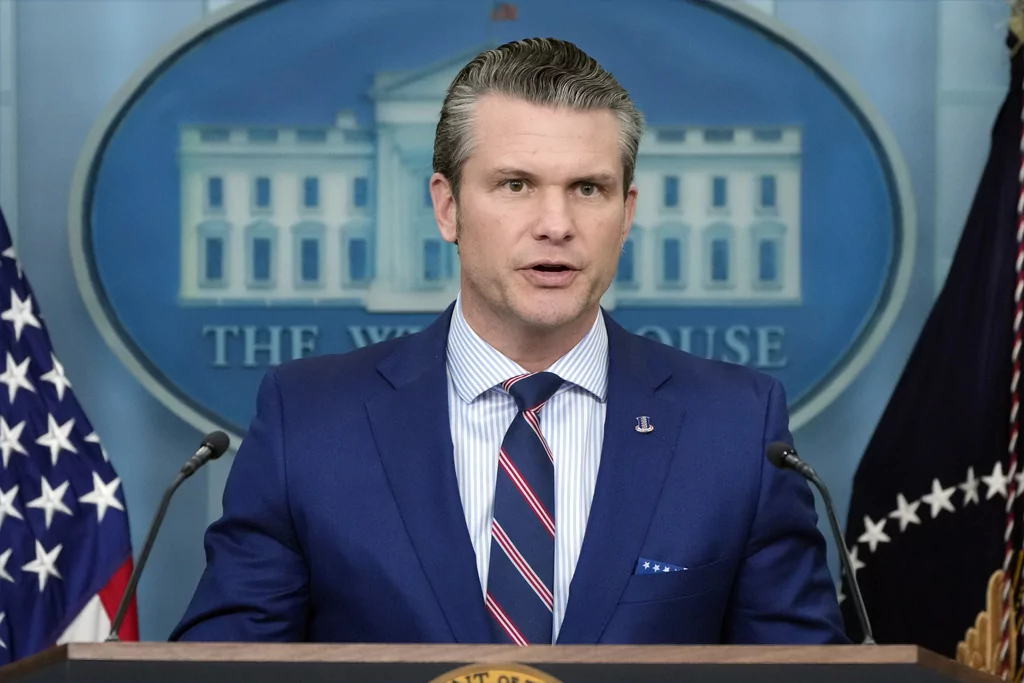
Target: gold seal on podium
point(495, 673)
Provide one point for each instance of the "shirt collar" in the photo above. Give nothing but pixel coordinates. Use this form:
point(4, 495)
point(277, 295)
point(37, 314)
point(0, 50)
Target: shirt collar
point(476, 366)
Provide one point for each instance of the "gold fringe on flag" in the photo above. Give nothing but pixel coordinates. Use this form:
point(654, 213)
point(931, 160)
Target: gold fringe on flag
point(1017, 24)
point(982, 642)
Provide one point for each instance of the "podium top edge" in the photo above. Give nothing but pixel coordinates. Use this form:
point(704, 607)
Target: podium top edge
point(543, 654)
point(298, 654)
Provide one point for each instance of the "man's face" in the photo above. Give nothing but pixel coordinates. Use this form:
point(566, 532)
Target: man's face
point(541, 215)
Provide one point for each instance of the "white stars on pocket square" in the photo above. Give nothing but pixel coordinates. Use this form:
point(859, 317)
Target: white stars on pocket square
point(648, 566)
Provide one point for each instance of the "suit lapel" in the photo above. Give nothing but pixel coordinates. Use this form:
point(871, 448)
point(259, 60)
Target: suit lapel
point(632, 470)
point(411, 429)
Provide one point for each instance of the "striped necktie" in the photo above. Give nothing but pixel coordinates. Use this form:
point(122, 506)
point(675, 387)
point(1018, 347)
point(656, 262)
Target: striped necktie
point(520, 577)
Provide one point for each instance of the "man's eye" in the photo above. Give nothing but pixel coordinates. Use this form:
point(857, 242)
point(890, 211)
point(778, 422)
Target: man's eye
point(588, 189)
point(515, 185)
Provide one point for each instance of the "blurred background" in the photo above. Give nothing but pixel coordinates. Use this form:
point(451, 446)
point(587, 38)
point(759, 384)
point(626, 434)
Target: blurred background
point(932, 73)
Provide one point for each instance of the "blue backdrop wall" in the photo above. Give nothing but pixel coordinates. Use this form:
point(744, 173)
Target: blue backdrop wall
point(935, 71)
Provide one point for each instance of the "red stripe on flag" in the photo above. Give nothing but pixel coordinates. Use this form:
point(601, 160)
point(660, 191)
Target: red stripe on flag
point(110, 596)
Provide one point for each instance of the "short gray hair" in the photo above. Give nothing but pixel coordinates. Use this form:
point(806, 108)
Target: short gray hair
point(543, 71)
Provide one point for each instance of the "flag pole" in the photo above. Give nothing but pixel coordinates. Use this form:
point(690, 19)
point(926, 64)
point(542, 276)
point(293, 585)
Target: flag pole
point(1011, 498)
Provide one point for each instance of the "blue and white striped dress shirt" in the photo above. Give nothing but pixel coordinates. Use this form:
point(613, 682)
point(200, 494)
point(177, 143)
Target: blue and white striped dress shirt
point(572, 421)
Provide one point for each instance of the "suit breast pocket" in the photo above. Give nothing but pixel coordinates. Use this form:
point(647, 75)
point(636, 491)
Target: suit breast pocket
point(672, 585)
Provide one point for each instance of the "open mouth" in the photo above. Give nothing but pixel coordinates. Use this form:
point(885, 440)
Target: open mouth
point(550, 275)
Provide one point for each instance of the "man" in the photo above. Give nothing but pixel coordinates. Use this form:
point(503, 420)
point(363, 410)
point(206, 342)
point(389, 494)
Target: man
point(524, 470)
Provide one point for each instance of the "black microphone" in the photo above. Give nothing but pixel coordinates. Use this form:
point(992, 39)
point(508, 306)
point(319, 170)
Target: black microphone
point(784, 456)
point(213, 446)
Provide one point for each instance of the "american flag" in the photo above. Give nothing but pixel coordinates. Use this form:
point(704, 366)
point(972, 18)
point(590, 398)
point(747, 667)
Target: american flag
point(65, 549)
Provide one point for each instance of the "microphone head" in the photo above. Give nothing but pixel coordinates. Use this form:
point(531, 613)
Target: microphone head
point(777, 452)
point(217, 442)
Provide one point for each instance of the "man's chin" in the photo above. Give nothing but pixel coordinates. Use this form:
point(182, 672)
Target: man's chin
point(550, 318)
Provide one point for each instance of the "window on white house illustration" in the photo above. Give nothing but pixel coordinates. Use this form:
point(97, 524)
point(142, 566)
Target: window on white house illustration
point(718, 256)
point(672, 266)
point(214, 259)
point(719, 135)
point(262, 135)
point(433, 260)
point(359, 259)
point(720, 259)
point(308, 251)
point(767, 192)
point(357, 253)
point(311, 192)
point(719, 192)
point(768, 244)
point(261, 193)
point(768, 261)
point(437, 259)
point(671, 191)
point(261, 254)
point(215, 193)
point(360, 191)
point(212, 240)
point(261, 240)
point(673, 247)
point(310, 256)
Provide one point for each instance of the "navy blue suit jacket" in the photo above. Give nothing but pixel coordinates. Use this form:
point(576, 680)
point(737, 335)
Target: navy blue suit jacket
point(342, 518)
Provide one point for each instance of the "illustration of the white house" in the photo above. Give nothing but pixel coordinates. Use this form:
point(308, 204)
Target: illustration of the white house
point(341, 215)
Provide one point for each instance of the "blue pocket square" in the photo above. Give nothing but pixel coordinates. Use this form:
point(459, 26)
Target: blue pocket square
point(648, 566)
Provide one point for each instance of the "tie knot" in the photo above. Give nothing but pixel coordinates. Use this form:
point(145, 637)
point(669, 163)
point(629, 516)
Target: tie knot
point(530, 391)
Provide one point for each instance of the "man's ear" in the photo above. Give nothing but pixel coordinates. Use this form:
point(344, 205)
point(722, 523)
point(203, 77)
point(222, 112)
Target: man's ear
point(445, 209)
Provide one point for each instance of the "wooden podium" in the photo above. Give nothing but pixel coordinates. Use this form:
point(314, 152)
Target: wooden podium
point(349, 663)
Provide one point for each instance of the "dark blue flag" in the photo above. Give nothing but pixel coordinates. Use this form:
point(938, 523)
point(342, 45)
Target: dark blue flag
point(928, 514)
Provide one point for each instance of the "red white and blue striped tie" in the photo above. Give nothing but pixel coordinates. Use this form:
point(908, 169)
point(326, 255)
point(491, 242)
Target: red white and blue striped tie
point(520, 577)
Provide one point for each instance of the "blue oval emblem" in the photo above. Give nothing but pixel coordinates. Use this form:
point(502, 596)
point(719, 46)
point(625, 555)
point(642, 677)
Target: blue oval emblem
point(258, 193)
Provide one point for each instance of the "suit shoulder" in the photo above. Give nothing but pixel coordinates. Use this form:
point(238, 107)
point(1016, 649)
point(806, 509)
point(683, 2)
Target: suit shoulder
point(352, 369)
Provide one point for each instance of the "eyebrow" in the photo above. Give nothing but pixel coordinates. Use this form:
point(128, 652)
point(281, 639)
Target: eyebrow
point(600, 178)
point(512, 172)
